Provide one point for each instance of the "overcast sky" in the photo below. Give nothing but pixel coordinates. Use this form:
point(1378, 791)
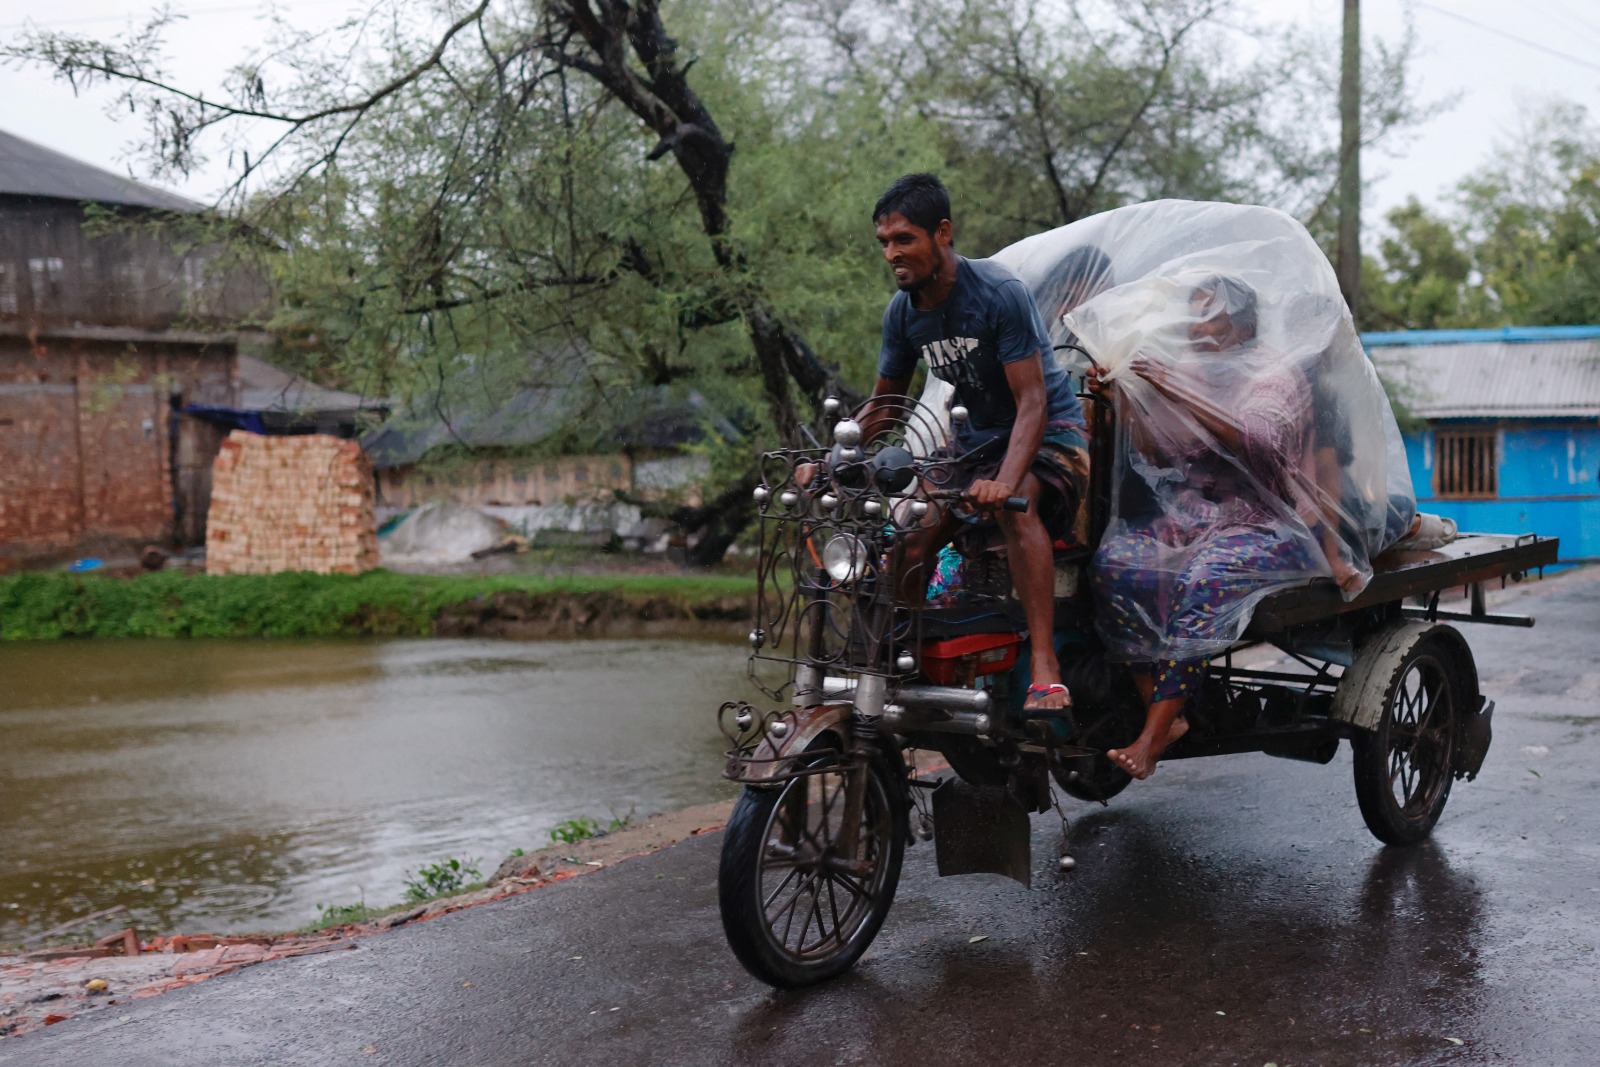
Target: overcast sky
point(1487, 66)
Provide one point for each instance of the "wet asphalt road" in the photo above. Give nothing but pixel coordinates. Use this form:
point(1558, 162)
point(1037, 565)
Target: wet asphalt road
point(1230, 911)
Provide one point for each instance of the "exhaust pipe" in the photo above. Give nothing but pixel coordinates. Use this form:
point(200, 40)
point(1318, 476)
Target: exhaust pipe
point(923, 697)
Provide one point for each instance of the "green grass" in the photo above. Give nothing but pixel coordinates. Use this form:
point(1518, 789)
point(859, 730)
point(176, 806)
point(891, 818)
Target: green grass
point(46, 605)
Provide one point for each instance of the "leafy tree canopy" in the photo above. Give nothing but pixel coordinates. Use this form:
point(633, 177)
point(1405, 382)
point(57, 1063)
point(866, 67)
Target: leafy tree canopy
point(678, 191)
point(1517, 244)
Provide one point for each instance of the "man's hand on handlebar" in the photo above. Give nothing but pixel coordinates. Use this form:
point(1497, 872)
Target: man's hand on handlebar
point(992, 496)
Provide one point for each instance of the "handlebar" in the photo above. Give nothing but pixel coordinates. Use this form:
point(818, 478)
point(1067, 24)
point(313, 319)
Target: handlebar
point(1012, 503)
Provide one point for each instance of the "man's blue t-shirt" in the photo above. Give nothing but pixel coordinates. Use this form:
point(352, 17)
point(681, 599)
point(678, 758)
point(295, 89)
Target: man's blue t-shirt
point(987, 320)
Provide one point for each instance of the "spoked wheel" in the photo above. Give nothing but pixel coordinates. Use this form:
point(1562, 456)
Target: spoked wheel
point(1402, 768)
point(795, 907)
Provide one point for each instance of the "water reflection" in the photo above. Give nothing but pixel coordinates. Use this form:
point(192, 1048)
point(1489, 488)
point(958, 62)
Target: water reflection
point(237, 785)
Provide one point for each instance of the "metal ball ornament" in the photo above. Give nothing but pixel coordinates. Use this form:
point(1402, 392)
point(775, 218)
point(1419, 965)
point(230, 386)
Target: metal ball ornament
point(756, 638)
point(905, 662)
point(744, 720)
point(919, 508)
point(778, 729)
point(847, 432)
point(762, 494)
point(872, 509)
point(831, 406)
point(958, 414)
point(830, 501)
point(790, 498)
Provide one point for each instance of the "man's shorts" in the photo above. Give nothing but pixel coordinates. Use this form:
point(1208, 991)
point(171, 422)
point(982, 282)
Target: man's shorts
point(1061, 465)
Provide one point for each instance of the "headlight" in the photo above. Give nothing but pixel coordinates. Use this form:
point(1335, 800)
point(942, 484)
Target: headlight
point(845, 558)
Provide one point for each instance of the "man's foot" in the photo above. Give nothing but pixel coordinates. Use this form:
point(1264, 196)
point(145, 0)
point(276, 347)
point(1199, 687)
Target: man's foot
point(1051, 697)
point(1139, 759)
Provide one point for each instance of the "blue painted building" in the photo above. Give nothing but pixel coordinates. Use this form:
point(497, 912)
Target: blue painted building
point(1512, 437)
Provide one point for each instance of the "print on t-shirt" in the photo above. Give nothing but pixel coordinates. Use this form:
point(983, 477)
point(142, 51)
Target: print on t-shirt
point(947, 358)
point(985, 322)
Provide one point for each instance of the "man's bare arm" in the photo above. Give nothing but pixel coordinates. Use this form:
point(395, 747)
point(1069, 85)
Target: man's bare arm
point(1026, 379)
point(880, 417)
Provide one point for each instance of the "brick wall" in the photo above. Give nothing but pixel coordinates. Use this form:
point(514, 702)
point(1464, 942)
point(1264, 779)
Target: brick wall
point(84, 444)
point(290, 504)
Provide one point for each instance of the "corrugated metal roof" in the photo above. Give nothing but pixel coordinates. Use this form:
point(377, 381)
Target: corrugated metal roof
point(1375, 339)
point(1496, 379)
point(28, 169)
point(264, 387)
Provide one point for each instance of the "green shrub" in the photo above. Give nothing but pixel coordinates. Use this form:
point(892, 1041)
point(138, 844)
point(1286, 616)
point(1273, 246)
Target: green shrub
point(449, 875)
point(54, 604)
point(341, 914)
point(571, 831)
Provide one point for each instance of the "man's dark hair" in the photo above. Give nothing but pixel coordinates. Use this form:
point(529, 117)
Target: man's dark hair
point(921, 198)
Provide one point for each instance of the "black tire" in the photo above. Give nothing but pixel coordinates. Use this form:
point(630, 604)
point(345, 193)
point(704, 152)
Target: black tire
point(1103, 782)
point(1403, 767)
point(765, 881)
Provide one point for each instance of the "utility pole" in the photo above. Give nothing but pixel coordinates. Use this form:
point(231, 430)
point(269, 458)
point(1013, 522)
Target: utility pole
point(1349, 265)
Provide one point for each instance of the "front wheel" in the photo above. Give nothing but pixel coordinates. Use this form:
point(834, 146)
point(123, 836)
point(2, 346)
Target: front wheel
point(795, 908)
point(1403, 767)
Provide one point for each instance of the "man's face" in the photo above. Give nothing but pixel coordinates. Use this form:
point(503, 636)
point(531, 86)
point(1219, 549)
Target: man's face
point(915, 255)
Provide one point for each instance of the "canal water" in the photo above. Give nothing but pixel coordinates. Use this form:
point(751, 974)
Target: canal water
point(220, 786)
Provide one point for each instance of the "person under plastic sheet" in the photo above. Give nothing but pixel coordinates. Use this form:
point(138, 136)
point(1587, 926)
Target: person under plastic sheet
point(1224, 432)
point(1082, 274)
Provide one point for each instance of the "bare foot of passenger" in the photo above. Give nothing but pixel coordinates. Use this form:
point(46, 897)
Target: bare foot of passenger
point(1344, 574)
point(1139, 759)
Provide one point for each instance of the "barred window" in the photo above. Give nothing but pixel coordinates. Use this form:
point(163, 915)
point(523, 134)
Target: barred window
point(1465, 465)
point(8, 290)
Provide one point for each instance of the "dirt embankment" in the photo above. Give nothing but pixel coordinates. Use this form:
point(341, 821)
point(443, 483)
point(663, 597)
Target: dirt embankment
point(519, 614)
point(49, 987)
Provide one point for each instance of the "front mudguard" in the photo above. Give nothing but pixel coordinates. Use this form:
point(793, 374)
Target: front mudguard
point(768, 760)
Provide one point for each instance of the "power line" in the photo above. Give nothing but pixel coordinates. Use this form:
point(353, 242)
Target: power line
point(1510, 36)
point(1576, 24)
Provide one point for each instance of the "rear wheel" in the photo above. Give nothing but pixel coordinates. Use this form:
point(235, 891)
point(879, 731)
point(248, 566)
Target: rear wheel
point(1403, 766)
point(795, 908)
point(1102, 781)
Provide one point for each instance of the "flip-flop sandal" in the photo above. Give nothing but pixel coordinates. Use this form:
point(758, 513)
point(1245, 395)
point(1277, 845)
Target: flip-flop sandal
point(1037, 693)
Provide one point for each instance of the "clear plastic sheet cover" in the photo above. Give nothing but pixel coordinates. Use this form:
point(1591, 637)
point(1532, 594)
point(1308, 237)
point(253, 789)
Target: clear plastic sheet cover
point(1255, 449)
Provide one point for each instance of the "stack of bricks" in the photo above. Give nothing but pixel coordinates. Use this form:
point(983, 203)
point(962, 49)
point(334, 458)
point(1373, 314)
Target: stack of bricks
point(291, 504)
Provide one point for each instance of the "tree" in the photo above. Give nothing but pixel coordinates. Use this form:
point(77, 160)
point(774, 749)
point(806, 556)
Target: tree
point(459, 184)
point(1048, 112)
point(1518, 243)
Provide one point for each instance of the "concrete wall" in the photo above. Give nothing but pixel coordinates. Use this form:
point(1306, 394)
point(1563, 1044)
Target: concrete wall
point(507, 482)
point(85, 447)
point(1549, 482)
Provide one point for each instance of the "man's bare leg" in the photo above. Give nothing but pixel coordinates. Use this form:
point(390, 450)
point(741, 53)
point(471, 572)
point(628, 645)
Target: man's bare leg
point(1033, 573)
point(917, 555)
point(1163, 724)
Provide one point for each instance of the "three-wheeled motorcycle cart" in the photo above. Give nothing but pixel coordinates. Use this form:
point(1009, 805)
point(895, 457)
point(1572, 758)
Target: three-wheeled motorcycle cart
point(890, 725)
